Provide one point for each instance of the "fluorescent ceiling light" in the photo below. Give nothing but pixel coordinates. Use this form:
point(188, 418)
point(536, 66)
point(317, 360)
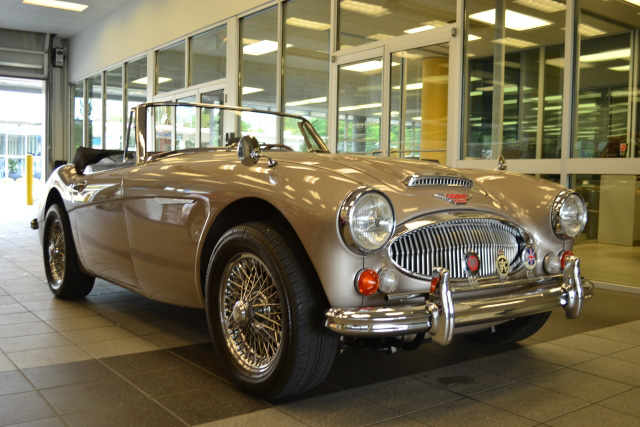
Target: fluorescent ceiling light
point(608, 55)
point(262, 47)
point(472, 37)
point(620, 68)
point(144, 81)
point(379, 36)
point(407, 55)
point(364, 8)
point(633, 2)
point(419, 29)
point(548, 6)
point(589, 31)
point(559, 62)
point(513, 42)
point(513, 20)
point(417, 119)
point(411, 86)
point(247, 90)
point(55, 4)
point(305, 23)
point(360, 107)
point(364, 66)
point(307, 101)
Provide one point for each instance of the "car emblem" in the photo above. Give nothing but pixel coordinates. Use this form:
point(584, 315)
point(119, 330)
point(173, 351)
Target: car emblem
point(502, 265)
point(472, 263)
point(455, 198)
point(529, 258)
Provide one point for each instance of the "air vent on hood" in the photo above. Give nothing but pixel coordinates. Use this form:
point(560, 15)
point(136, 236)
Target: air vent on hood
point(437, 181)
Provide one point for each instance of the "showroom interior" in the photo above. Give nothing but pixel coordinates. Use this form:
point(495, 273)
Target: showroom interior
point(551, 86)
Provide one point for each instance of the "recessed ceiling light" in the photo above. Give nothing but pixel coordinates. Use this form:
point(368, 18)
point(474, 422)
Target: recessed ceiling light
point(633, 2)
point(379, 36)
point(419, 29)
point(65, 5)
point(143, 80)
point(589, 31)
point(513, 42)
point(547, 6)
point(246, 90)
point(307, 101)
point(472, 37)
point(608, 55)
point(620, 68)
point(262, 47)
point(363, 67)
point(360, 107)
point(305, 23)
point(513, 20)
point(364, 8)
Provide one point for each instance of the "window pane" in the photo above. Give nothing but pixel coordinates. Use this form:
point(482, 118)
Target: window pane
point(186, 125)
point(515, 80)
point(365, 21)
point(208, 56)
point(163, 118)
point(136, 82)
point(306, 62)
point(113, 126)
point(211, 120)
point(419, 94)
point(170, 68)
point(77, 129)
point(258, 59)
point(94, 110)
point(360, 106)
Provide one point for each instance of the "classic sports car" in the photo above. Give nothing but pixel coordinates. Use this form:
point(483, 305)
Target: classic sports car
point(289, 247)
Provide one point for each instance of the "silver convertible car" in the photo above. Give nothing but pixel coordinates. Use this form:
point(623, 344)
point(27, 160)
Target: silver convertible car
point(293, 250)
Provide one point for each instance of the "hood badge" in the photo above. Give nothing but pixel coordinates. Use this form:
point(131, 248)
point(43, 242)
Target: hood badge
point(455, 198)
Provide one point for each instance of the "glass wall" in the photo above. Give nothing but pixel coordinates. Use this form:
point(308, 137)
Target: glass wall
point(170, 68)
point(515, 68)
point(136, 72)
point(77, 115)
point(258, 59)
point(306, 61)
point(208, 56)
point(211, 120)
point(113, 109)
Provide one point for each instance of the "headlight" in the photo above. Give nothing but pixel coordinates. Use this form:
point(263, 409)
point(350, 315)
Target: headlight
point(568, 215)
point(366, 220)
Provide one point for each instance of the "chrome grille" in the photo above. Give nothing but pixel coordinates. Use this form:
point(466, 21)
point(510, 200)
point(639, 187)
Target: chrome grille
point(445, 244)
point(437, 181)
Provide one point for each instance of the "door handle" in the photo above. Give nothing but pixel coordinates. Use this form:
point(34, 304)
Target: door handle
point(79, 186)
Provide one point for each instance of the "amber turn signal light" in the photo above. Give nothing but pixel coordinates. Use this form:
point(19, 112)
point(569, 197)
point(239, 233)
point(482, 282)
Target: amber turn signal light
point(367, 282)
point(435, 281)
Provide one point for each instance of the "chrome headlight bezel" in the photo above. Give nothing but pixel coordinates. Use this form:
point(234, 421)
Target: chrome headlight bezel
point(562, 226)
point(347, 223)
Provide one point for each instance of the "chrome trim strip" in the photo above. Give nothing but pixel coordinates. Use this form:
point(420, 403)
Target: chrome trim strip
point(444, 311)
point(437, 181)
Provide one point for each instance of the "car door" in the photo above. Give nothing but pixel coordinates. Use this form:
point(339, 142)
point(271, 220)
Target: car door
point(100, 223)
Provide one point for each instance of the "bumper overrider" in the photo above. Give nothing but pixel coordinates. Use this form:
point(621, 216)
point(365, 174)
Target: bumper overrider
point(445, 309)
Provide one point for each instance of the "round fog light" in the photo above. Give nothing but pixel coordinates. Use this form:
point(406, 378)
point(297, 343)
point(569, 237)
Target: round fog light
point(388, 280)
point(551, 264)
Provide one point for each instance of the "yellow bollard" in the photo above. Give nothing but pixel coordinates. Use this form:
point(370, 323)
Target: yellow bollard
point(29, 179)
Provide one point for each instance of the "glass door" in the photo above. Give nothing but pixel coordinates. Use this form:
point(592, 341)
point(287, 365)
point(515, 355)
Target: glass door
point(211, 120)
point(419, 102)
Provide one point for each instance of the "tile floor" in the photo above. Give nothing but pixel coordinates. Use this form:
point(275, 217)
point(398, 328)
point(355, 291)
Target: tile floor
point(118, 359)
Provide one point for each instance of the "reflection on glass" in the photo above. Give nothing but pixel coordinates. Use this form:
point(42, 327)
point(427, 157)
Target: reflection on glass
point(94, 110)
point(366, 21)
point(258, 59)
point(419, 93)
point(113, 125)
point(208, 56)
point(170, 68)
point(515, 82)
point(136, 82)
point(588, 186)
point(306, 63)
point(604, 99)
point(359, 106)
point(77, 128)
point(211, 120)
point(163, 119)
point(186, 125)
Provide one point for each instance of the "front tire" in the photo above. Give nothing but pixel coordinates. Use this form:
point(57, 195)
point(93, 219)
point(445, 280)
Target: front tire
point(265, 313)
point(512, 331)
point(65, 278)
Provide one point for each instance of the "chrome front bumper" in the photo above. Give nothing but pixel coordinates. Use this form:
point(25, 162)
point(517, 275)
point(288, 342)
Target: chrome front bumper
point(446, 310)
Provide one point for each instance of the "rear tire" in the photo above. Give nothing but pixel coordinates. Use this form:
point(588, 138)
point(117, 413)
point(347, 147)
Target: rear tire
point(265, 312)
point(511, 331)
point(65, 278)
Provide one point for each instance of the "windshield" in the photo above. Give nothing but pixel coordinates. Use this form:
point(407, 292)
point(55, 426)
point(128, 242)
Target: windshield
point(175, 127)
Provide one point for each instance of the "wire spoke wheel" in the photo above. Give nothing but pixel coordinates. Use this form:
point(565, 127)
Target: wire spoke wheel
point(56, 250)
point(251, 314)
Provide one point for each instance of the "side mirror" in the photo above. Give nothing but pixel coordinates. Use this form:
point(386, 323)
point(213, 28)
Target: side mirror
point(248, 150)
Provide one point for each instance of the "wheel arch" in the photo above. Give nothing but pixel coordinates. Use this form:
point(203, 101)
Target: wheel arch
point(52, 198)
point(241, 211)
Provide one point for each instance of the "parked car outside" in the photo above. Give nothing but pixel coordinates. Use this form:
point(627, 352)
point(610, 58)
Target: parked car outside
point(292, 249)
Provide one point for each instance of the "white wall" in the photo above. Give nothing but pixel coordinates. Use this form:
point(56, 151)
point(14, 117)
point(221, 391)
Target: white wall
point(142, 25)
